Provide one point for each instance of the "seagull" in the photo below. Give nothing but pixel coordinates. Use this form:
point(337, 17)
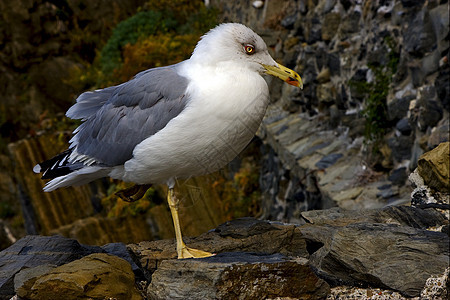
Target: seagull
point(172, 122)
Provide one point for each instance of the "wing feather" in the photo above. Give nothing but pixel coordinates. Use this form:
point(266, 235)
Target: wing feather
point(134, 111)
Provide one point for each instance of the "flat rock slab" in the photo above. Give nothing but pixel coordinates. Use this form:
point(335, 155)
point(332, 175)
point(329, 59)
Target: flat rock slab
point(241, 235)
point(398, 215)
point(383, 255)
point(236, 275)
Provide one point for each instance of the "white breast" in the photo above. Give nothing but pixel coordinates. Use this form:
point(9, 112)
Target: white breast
point(220, 120)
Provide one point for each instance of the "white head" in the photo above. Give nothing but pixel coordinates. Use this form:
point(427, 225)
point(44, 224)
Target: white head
point(237, 43)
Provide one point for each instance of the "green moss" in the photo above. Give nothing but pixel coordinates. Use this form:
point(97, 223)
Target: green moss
point(376, 92)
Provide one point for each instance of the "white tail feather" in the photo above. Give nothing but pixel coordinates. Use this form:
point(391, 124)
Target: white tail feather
point(78, 177)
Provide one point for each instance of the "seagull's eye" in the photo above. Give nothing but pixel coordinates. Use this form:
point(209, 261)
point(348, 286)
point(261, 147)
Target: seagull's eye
point(249, 49)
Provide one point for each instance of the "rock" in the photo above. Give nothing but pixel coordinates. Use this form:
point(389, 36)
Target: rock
point(412, 3)
point(442, 86)
point(433, 167)
point(241, 235)
point(437, 287)
point(382, 255)
point(425, 197)
point(326, 93)
point(323, 76)
point(399, 215)
point(359, 77)
point(350, 24)
point(120, 250)
point(403, 126)
point(398, 176)
point(419, 34)
point(330, 26)
point(289, 21)
point(236, 276)
point(33, 251)
point(439, 134)
point(440, 19)
point(328, 160)
point(401, 147)
point(430, 112)
point(430, 62)
point(24, 280)
point(96, 276)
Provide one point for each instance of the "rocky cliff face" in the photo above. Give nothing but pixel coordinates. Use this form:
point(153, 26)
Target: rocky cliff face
point(376, 97)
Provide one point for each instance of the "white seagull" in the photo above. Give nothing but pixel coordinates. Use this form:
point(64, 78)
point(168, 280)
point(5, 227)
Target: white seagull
point(174, 122)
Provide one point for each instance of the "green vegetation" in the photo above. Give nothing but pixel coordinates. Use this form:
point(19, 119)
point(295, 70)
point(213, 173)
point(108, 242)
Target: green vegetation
point(165, 33)
point(376, 92)
point(142, 24)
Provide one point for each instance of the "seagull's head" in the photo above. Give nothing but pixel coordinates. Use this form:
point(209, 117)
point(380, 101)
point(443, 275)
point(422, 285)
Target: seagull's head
point(238, 43)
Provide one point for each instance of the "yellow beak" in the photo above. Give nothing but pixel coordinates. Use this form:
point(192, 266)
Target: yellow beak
point(289, 76)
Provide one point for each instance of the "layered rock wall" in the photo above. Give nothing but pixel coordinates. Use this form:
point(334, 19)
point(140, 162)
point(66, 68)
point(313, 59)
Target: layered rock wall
point(376, 97)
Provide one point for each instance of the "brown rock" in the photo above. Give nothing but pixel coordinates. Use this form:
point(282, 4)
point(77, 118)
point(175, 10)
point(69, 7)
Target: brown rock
point(323, 76)
point(241, 235)
point(96, 276)
point(433, 167)
point(330, 26)
point(236, 276)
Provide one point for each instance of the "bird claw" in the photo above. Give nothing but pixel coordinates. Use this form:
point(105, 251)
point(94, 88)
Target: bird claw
point(187, 252)
point(137, 190)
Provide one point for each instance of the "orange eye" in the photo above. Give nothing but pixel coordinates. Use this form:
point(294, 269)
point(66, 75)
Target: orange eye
point(249, 49)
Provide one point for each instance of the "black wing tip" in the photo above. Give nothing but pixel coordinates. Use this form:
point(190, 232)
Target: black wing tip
point(56, 166)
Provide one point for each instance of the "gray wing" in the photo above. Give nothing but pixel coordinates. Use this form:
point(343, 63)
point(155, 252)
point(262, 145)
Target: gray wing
point(132, 112)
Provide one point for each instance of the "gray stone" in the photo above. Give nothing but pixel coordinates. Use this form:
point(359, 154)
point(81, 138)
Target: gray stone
point(442, 87)
point(120, 250)
point(384, 255)
point(398, 107)
point(398, 215)
point(403, 126)
point(412, 3)
point(419, 37)
point(241, 235)
point(439, 134)
point(430, 62)
point(401, 147)
point(440, 19)
point(429, 115)
point(398, 176)
point(289, 21)
point(236, 276)
point(28, 276)
point(328, 160)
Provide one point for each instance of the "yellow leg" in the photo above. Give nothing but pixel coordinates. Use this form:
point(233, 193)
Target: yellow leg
point(182, 250)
